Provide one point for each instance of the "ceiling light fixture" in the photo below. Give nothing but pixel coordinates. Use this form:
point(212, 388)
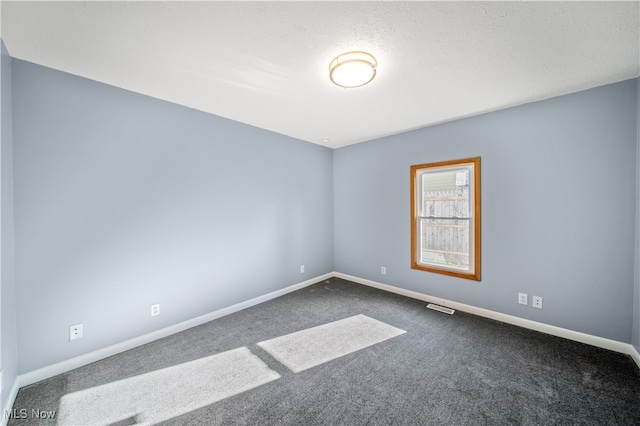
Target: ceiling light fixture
point(353, 69)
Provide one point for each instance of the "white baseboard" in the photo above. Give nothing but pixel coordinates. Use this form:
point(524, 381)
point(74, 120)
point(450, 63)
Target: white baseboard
point(12, 398)
point(70, 364)
point(577, 336)
point(635, 355)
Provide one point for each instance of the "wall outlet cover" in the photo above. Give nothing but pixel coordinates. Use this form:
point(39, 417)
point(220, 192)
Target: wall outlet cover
point(75, 332)
point(537, 302)
point(523, 299)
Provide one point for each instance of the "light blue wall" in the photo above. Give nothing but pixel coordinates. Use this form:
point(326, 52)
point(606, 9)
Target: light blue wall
point(8, 339)
point(558, 208)
point(636, 299)
point(123, 201)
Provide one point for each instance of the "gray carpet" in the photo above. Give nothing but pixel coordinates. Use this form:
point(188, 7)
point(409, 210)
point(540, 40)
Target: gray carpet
point(311, 347)
point(446, 370)
point(160, 395)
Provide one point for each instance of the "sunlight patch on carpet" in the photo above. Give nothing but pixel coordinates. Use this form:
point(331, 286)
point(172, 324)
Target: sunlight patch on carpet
point(163, 394)
point(308, 348)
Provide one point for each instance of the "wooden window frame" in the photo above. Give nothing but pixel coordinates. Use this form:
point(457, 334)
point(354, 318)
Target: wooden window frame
point(474, 244)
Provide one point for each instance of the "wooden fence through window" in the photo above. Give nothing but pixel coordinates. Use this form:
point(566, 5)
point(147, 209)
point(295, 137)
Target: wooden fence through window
point(445, 228)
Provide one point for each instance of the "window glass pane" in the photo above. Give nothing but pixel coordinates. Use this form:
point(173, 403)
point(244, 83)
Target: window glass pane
point(446, 194)
point(445, 242)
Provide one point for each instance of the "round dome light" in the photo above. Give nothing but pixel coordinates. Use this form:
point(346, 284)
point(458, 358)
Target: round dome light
point(353, 69)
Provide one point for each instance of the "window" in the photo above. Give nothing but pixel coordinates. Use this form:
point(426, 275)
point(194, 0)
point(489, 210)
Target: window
point(445, 218)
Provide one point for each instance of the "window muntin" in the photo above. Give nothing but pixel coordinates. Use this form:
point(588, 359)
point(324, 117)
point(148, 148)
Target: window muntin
point(445, 218)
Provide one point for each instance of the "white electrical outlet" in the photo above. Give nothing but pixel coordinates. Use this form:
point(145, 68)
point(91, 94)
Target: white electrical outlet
point(383, 270)
point(536, 302)
point(302, 269)
point(75, 332)
point(523, 299)
point(155, 309)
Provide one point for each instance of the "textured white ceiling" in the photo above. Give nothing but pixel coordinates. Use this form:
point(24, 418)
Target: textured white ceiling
point(266, 63)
